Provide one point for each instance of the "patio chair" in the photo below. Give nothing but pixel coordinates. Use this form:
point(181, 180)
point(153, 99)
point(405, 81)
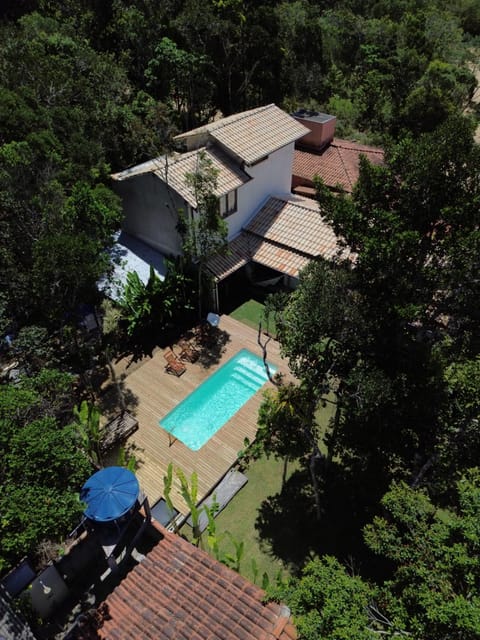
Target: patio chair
point(173, 363)
point(187, 351)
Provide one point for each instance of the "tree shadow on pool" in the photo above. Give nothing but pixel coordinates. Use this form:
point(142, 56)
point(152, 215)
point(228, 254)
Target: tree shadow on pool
point(288, 525)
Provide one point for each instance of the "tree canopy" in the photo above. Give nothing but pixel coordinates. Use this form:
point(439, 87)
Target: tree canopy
point(388, 332)
point(43, 464)
point(432, 589)
point(388, 336)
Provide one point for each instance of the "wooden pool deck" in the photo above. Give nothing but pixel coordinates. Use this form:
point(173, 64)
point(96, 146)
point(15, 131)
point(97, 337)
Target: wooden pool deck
point(157, 392)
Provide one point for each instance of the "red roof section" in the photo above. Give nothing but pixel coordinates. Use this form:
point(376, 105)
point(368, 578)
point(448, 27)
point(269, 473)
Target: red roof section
point(178, 592)
point(337, 164)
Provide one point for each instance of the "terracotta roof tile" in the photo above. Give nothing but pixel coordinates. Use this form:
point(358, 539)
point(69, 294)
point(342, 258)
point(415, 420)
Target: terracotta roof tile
point(246, 247)
point(338, 164)
point(174, 168)
point(284, 235)
point(239, 253)
point(297, 224)
point(179, 592)
point(254, 134)
point(230, 176)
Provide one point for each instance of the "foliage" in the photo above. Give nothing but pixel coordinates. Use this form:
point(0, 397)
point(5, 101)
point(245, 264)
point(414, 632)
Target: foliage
point(167, 487)
point(394, 341)
point(87, 419)
point(183, 77)
point(205, 233)
point(31, 513)
point(308, 327)
point(55, 388)
point(431, 591)
point(406, 222)
point(34, 348)
point(435, 554)
point(286, 427)
point(43, 468)
point(111, 319)
point(137, 300)
point(214, 540)
point(443, 89)
point(65, 107)
point(189, 491)
point(327, 602)
point(127, 459)
point(158, 303)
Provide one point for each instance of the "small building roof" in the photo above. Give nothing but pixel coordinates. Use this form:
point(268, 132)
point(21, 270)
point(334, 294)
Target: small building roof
point(285, 234)
point(247, 247)
point(337, 164)
point(145, 167)
point(173, 169)
point(313, 116)
point(229, 176)
point(254, 134)
point(295, 223)
point(179, 591)
point(131, 254)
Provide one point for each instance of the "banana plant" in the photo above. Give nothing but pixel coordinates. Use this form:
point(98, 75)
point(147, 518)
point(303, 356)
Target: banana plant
point(87, 420)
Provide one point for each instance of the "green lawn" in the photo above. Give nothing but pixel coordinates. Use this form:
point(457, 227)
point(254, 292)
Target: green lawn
point(238, 517)
point(251, 313)
point(242, 515)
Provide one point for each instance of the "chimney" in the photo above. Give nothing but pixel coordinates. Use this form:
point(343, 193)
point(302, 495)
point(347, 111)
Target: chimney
point(322, 129)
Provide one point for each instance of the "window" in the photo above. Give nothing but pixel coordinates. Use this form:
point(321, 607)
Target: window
point(228, 203)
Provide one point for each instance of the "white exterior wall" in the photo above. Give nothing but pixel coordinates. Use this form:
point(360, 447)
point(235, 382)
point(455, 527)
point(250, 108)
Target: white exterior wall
point(271, 176)
point(150, 210)
point(146, 214)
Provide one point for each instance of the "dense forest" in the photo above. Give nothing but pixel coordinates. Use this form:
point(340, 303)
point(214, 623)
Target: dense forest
point(89, 87)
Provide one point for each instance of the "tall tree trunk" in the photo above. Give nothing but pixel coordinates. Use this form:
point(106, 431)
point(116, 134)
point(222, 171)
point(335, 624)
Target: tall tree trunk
point(316, 488)
point(118, 389)
point(200, 291)
point(284, 472)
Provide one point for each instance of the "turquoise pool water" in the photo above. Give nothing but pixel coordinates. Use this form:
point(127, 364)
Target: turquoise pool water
point(215, 401)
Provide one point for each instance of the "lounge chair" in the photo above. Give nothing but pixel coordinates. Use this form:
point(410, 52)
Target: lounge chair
point(173, 363)
point(187, 351)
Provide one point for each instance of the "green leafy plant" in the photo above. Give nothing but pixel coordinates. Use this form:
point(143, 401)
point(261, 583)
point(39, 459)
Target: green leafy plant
point(87, 419)
point(205, 233)
point(189, 491)
point(124, 459)
point(158, 302)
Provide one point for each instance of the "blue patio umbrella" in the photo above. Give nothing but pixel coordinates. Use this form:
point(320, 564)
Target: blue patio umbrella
point(110, 493)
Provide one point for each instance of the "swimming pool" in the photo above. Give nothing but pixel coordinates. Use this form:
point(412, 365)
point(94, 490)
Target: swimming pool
point(215, 401)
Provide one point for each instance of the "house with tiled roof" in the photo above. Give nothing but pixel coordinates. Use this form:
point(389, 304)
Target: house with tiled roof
point(319, 153)
point(179, 592)
point(252, 153)
point(270, 231)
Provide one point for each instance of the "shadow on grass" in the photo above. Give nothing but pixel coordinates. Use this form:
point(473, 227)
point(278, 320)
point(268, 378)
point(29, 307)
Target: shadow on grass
point(289, 527)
